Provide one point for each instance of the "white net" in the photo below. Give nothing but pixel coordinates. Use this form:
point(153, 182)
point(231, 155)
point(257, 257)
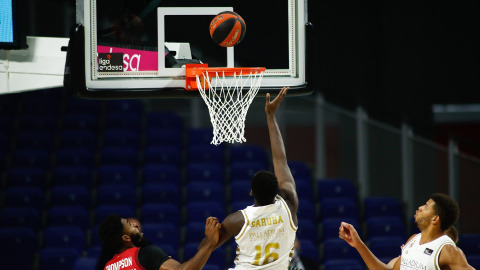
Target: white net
point(228, 99)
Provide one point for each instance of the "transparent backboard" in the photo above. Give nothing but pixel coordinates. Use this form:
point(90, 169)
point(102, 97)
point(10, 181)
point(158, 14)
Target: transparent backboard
point(142, 46)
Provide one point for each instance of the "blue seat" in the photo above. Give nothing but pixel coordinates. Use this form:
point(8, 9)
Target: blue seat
point(306, 210)
point(339, 208)
point(121, 138)
point(385, 226)
point(304, 189)
point(329, 227)
point(217, 258)
point(300, 169)
point(31, 158)
point(385, 248)
point(248, 153)
point(123, 120)
point(27, 177)
point(65, 237)
point(200, 211)
point(29, 140)
point(18, 247)
point(80, 121)
point(78, 139)
point(239, 205)
point(58, 258)
point(307, 229)
point(205, 172)
point(25, 197)
point(131, 106)
point(164, 119)
point(120, 155)
point(244, 171)
point(38, 122)
point(94, 251)
point(75, 157)
point(116, 194)
point(161, 193)
point(470, 244)
point(72, 176)
point(85, 263)
point(194, 231)
point(343, 264)
point(161, 234)
point(309, 249)
point(206, 154)
point(161, 173)
point(102, 211)
point(205, 192)
point(116, 174)
point(20, 217)
point(336, 188)
point(165, 136)
point(73, 195)
point(382, 207)
point(200, 136)
point(241, 191)
point(337, 249)
point(163, 155)
point(161, 213)
point(68, 216)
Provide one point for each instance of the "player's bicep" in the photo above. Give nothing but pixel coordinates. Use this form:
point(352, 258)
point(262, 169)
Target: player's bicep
point(231, 226)
point(289, 194)
point(170, 265)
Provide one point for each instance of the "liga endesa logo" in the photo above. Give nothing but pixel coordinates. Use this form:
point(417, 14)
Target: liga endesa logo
point(110, 62)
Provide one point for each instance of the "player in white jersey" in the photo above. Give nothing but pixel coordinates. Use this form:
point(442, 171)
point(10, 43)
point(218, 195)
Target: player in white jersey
point(431, 249)
point(265, 232)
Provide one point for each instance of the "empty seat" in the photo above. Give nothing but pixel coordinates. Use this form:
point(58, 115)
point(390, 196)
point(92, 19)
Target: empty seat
point(120, 155)
point(194, 232)
point(470, 244)
point(72, 176)
point(216, 258)
point(30, 140)
point(65, 237)
point(343, 264)
point(25, 197)
point(85, 263)
point(78, 139)
point(337, 249)
point(335, 188)
point(80, 121)
point(200, 136)
point(27, 176)
point(68, 216)
point(385, 227)
point(244, 171)
point(300, 169)
point(121, 138)
point(164, 120)
point(125, 211)
point(385, 248)
point(75, 157)
point(205, 172)
point(307, 229)
point(123, 120)
point(161, 193)
point(329, 227)
point(206, 154)
point(304, 189)
point(73, 195)
point(309, 249)
point(20, 217)
point(116, 194)
point(239, 205)
point(161, 234)
point(18, 247)
point(58, 258)
point(162, 155)
point(31, 158)
point(248, 153)
point(164, 136)
point(241, 191)
point(200, 211)
point(306, 210)
point(38, 122)
point(161, 173)
point(161, 213)
point(339, 207)
point(130, 106)
point(116, 174)
point(382, 207)
point(205, 192)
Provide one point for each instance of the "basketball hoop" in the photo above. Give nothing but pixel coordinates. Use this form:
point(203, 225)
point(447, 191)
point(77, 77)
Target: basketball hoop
point(228, 93)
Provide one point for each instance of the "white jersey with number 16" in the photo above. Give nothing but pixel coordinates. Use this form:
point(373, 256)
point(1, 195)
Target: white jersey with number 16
point(266, 238)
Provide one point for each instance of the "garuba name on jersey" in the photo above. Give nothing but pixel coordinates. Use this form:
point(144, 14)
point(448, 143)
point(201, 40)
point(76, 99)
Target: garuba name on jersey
point(416, 256)
point(266, 238)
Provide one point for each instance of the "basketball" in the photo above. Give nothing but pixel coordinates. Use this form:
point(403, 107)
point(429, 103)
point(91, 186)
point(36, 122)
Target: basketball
point(227, 29)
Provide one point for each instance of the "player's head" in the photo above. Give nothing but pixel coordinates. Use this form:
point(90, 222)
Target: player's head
point(264, 186)
point(452, 233)
point(446, 208)
point(116, 232)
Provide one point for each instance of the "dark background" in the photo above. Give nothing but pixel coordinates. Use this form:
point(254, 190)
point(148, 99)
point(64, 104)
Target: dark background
point(394, 58)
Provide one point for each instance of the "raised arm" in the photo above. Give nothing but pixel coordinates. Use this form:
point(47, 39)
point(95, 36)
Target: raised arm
point(286, 183)
point(197, 262)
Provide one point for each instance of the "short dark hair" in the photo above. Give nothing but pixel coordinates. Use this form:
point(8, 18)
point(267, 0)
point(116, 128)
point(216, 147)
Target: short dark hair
point(264, 187)
point(446, 208)
point(111, 231)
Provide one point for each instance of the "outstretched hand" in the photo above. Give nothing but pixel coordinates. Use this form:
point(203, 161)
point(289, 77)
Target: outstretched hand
point(348, 233)
point(272, 107)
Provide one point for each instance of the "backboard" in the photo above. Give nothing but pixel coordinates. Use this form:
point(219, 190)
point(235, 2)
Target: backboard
point(138, 48)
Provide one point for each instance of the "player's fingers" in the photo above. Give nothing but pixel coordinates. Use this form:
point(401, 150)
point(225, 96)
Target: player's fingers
point(268, 98)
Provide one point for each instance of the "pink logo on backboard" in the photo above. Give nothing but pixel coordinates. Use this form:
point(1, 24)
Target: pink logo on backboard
point(134, 60)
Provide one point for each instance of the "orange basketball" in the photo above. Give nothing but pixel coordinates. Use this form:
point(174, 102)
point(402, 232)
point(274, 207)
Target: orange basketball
point(227, 29)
